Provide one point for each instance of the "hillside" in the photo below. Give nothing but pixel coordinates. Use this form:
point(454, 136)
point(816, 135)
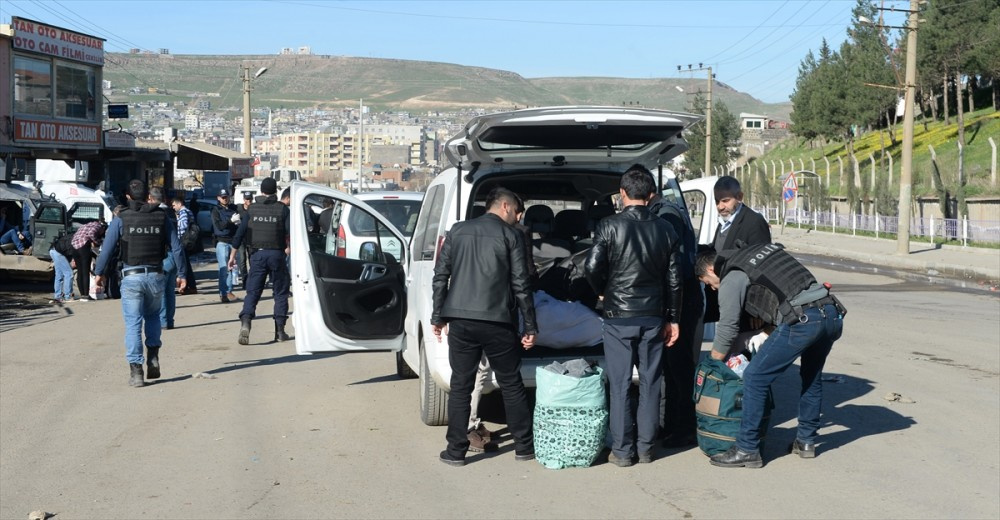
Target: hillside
point(337, 81)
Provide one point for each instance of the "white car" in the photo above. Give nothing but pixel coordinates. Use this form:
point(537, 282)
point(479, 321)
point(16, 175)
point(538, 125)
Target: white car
point(347, 230)
point(569, 158)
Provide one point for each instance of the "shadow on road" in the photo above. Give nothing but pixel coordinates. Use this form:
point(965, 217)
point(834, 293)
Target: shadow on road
point(857, 421)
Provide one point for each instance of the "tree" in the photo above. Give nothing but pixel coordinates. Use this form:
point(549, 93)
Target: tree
point(726, 135)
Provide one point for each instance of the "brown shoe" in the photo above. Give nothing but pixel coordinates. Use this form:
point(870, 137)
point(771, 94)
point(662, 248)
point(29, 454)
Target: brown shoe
point(477, 444)
point(484, 433)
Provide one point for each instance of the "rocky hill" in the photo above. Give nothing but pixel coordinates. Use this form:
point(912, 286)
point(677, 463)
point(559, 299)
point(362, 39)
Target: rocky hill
point(339, 81)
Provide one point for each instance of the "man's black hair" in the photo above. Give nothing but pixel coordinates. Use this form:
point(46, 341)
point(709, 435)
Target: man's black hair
point(137, 190)
point(500, 194)
point(638, 182)
point(703, 261)
point(727, 185)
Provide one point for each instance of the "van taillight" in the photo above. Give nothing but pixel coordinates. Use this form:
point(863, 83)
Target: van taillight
point(341, 242)
point(440, 245)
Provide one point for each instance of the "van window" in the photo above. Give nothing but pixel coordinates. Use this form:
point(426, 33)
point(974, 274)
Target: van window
point(428, 223)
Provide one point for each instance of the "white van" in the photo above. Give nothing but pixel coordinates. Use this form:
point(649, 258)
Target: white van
point(563, 157)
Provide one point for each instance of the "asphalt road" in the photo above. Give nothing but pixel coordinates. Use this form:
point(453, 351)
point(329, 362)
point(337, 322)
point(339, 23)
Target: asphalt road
point(275, 435)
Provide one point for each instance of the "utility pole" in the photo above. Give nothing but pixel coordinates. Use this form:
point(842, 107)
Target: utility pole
point(708, 116)
point(906, 172)
point(245, 72)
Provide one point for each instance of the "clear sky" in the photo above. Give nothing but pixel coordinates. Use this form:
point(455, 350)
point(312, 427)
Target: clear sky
point(754, 46)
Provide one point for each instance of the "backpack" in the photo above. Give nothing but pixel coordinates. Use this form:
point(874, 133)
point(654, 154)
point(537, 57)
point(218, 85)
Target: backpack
point(191, 239)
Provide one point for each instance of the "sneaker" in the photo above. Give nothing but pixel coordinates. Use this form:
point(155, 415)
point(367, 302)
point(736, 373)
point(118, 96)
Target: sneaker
point(477, 444)
point(621, 463)
point(484, 433)
point(449, 460)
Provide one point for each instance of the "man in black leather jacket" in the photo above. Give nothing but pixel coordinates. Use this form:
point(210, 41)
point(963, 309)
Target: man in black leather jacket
point(480, 283)
point(634, 266)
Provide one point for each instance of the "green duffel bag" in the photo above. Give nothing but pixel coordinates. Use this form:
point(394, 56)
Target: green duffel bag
point(718, 406)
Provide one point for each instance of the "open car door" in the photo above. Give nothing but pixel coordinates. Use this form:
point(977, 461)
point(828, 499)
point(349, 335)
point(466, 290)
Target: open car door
point(345, 299)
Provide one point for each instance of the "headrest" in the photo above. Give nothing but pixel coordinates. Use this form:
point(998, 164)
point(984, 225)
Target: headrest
point(539, 218)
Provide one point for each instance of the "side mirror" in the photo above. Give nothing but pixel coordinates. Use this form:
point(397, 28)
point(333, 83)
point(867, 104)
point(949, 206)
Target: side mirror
point(370, 252)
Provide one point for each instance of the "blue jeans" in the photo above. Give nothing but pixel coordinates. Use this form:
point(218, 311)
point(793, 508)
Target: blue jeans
point(10, 237)
point(634, 342)
point(169, 300)
point(227, 278)
point(142, 296)
point(63, 286)
point(812, 342)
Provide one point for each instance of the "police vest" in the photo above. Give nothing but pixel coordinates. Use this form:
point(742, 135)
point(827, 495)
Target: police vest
point(775, 278)
point(144, 235)
point(267, 225)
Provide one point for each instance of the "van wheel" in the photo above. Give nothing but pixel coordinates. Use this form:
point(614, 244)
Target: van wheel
point(402, 369)
point(433, 400)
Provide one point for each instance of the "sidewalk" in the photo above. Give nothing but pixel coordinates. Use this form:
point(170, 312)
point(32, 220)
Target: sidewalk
point(951, 261)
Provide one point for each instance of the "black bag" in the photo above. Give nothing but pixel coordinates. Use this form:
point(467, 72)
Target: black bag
point(191, 240)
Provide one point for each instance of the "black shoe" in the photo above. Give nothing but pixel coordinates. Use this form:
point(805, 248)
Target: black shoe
point(621, 463)
point(136, 379)
point(279, 333)
point(805, 450)
point(153, 362)
point(737, 458)
point(524, 457)
point(646, 458)
point(245, 330)
point(449, 460)
point(675, 440)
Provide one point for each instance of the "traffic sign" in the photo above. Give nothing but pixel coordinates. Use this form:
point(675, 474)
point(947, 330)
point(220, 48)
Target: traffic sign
point(790, 189)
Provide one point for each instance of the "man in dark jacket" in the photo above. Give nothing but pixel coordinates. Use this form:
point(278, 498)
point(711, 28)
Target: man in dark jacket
point(738, 225)
point(224, 219)
point(480, 282)
point(633, 266)
point(678, 421)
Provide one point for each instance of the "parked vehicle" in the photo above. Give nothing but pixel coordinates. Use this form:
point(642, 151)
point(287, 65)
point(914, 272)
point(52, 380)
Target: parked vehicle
point(351, 229)
point(562, 157)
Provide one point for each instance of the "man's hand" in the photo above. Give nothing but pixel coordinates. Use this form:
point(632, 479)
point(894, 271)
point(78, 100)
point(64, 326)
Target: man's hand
point(672, 333)
point(438, 329)
point(99, 281)
point(528, 341)
point(717, 355)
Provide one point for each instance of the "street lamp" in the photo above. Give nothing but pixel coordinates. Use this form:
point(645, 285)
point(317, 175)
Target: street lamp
point(246, 105)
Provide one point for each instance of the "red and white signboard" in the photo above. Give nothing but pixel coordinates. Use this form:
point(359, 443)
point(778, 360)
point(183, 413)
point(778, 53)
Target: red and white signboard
point(54, 41)
point(31, 131)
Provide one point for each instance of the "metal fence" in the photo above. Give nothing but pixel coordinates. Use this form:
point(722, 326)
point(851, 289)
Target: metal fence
point(964, 231)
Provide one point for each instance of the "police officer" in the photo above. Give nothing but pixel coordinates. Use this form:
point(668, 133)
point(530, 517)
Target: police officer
point(267, 224)
point(224, 219)
point(143, 231)
point(769, 284)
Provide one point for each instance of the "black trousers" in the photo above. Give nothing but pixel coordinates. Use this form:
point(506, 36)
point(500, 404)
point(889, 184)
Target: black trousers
point(679, 362)
point(83, 257)
point(467, 341)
